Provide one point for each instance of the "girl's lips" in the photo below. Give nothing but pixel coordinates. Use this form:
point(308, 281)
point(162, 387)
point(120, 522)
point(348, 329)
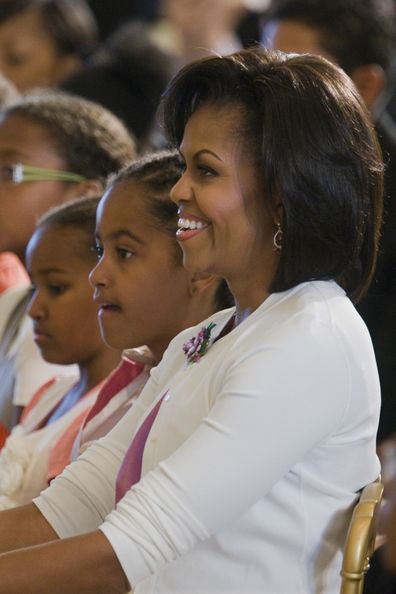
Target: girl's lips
point(40, 337)
point(38, 331)
point(108, 308)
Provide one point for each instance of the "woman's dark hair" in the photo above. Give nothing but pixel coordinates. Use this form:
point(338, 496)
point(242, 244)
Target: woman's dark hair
point(78, 215)
point(156, 174)
point(92, 141)
point(313, 148)
point(71, 24)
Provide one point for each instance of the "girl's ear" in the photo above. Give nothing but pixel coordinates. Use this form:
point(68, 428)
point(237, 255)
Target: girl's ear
point(200, 281)
point(86, 189)
point(89, 187)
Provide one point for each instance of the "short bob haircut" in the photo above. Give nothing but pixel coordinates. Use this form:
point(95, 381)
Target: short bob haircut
point(313, 147)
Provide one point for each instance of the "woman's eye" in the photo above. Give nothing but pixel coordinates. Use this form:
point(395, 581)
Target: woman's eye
point(206, 171)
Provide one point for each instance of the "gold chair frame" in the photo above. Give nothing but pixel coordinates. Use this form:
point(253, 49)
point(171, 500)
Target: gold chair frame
point(360, 540)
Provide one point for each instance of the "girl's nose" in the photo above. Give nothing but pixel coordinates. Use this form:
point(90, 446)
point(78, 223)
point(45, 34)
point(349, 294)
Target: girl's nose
point(35, 307)
point(98, 275)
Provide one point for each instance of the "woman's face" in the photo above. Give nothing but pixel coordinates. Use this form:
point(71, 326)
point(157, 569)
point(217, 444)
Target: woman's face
point(28, 55)
point(64, 314)
point(143, 294)
point(220, 230)
point(24, 141)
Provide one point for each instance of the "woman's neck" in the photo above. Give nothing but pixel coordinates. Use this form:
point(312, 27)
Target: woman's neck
point(248, 302)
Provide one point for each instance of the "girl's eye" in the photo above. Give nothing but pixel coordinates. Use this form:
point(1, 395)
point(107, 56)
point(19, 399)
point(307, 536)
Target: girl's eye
point(17, 57)
point(99, 251)
point(6, 172)
point(124, 254)
point(56, 289)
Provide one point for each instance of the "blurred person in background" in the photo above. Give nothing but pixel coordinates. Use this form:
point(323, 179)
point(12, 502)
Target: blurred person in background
point(127, 75)
point(112, 15)
point(196, 28)
point(12, 272)
point(44, 41)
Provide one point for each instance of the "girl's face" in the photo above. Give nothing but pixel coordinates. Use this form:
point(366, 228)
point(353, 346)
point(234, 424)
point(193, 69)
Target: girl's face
point(64, 314)
point(142, 292)
point(24, 141)
point(220, 229)
point(28, 55)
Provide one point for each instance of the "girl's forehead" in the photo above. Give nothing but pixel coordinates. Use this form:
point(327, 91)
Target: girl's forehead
point(123, 199)
point(59, 241)
point(71, 253)
point(22, 135)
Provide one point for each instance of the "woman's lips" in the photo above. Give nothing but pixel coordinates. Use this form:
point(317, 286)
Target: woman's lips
point(190, 226)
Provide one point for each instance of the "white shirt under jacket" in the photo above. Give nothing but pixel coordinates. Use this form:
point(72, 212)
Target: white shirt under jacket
point(254, 460)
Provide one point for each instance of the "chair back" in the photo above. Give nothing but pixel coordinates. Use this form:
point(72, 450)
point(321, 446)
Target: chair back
point(360, 540)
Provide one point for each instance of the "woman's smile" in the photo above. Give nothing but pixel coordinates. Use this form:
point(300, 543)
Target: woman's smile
point(190, 226)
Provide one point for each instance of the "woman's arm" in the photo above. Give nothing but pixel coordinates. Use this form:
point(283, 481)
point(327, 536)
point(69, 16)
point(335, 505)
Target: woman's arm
point(22, 527)
point(60, 567)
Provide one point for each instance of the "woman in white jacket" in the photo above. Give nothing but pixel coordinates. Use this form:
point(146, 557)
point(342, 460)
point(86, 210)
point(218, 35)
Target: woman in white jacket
point(237, 467)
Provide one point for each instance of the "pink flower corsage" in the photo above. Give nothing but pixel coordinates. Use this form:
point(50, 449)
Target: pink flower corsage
point(196, 347)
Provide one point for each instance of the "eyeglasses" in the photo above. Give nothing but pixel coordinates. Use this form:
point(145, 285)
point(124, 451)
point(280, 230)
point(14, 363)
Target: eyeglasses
point(18, 174)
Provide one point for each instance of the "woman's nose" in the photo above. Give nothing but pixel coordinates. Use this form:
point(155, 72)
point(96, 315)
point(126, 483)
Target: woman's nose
point(181, 191)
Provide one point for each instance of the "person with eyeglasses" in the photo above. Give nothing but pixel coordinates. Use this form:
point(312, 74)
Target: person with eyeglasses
point(54, 147)
point(12, 272)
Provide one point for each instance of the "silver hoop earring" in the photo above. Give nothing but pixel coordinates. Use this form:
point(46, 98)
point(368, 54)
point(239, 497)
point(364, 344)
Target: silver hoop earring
point(277, 239)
